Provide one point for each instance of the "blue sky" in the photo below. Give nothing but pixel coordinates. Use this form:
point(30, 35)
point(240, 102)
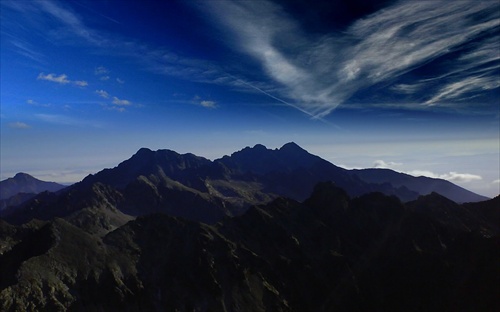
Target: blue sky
point(408, 85)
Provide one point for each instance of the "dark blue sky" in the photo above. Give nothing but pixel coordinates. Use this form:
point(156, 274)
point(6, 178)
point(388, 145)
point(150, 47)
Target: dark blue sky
point(410, 85)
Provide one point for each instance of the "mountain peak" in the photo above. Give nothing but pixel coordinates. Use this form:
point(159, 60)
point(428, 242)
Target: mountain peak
point(260, 147)
point(24, 176)
point(143, 151)
point(291, 146)
point(25, 183)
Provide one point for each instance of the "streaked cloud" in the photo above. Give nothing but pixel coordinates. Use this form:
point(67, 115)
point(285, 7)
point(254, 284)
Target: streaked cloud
point(26, 49)
point(467, 85)
point(120, 81)
point(104, 78)
point(19, 125)
point(496, 181)
point(72, 21)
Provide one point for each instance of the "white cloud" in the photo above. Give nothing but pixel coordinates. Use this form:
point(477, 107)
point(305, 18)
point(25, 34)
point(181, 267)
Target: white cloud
point(104, 78)
point(120, 81)
point(382, 164)
point(81, 83)
point(35, 103)
point(62, 79)
point(119, 109)
point(101, 70)
point(117, 101)
point(451, 176)
point(208, 104)
point(19, 125)
point(496, 181)
point(102, 93)
point(205, 103)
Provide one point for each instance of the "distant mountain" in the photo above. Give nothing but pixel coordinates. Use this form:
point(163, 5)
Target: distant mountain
point(195, 188)
point(422, 185)
point(24, 183)
point(329, 252)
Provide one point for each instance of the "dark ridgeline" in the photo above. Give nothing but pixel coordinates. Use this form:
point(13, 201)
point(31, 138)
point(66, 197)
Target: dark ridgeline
point(129, 239)
point(198, 189)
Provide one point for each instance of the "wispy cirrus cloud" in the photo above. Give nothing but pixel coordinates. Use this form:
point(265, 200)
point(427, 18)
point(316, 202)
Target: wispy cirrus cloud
point(26, 49)
point(71, 20)
point(467, 85)
point(320, 74)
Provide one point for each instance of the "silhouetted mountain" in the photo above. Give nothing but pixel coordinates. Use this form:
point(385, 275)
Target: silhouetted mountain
point(422, 185)
point(292, 171)
point(195, 188)
point(24, 183)
point(331, 252)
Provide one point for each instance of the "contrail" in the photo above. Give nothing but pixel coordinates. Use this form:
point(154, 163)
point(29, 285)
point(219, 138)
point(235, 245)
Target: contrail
point(282, 101)
point(272, 96)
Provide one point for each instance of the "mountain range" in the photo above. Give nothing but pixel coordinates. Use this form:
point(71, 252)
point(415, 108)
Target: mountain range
point(195, 188)
point(259, 230)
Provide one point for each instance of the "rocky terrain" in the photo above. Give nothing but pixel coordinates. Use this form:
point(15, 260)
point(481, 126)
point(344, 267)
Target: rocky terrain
point(331, 252)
